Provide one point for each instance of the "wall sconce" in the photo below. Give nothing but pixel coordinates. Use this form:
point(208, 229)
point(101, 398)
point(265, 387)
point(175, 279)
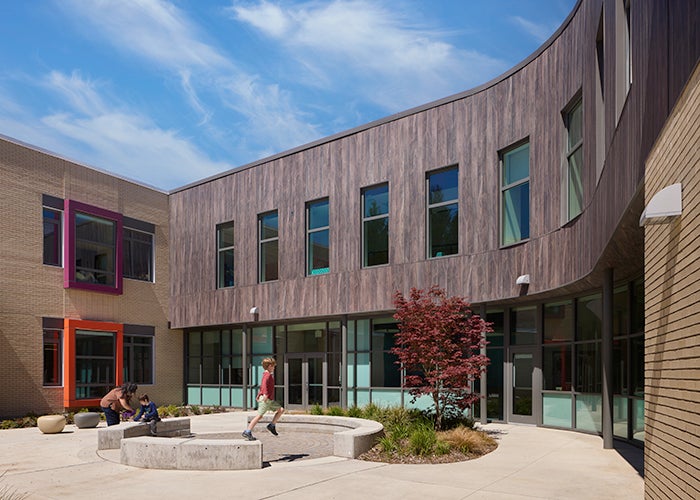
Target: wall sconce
point(523, 279)
point(663, 205)
point(254, 311)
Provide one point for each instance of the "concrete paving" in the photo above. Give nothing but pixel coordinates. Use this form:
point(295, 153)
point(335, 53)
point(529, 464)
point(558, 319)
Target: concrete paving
point(530, 463)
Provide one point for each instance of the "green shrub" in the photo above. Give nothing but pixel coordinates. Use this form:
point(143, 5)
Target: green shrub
point(372, 412)
point(389, 444)
point(422, 440)
point(335, 411)
point(195, 410)
point(316, 410)
point(355, 412)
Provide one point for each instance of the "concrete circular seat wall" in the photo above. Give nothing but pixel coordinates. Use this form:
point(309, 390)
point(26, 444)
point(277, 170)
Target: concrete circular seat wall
point(86, 420)
point(51, 424)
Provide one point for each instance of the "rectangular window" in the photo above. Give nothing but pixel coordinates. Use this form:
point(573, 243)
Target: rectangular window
point(600, 97)
point(138, 255)
point(523, 325)
point(95, 363)
point(224, 247)
point(574, 159)
point(443, 212)
point(515, 195)
point(317, 237)
point(53, 358)
point(556, 367)
point(268, 250)
point(385, 372)
point(138, 359)
point(53, 237)
point(375, 225)
point(558, 321)
point(93, 248)
point(589, 317)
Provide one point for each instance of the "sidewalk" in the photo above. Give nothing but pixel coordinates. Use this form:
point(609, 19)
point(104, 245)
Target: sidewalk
point(530, 463)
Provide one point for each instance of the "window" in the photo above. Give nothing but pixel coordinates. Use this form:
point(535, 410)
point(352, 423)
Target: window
point(53, 358)
point(623, 62)
point(95, 363)
point(443, 212)
point(384, 369)
point(268, 250)
point(574, 159)
point(138, 255)
point(600, 98)
point(224, 245)
point(53, 237)
point(523, 325)
point(317, 237)
point(375, 225)
point(138, 359)
point(94, 248)
point(515, 195)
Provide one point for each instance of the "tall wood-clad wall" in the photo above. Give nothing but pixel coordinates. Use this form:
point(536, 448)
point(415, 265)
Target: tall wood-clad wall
point(672, 286)
point(467, 130)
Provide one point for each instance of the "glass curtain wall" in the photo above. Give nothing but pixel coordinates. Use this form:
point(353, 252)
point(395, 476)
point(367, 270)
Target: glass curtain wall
point(215, 367)
point(373, 375)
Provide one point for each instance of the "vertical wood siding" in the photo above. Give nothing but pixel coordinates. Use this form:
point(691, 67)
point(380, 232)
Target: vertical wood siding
point(468, 131)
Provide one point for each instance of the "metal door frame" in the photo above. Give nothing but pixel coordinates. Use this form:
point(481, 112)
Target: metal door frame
point(304, 357)
point(536, 381)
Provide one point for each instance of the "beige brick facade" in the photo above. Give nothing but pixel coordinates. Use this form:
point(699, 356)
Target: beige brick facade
point(672, 272)
point(30, 290)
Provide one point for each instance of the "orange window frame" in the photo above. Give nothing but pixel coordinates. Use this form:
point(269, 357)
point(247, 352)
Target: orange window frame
point(69, 385)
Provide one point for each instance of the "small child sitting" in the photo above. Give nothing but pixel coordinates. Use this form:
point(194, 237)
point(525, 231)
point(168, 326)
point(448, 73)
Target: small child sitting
point(148, 412)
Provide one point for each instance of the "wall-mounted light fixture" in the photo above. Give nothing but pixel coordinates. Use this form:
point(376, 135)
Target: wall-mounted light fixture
point(254, 310)
point(666, 203)
point(523, 279)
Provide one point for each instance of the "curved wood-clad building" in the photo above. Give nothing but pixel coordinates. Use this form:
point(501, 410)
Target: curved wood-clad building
point(524, 195)
point(561, 199)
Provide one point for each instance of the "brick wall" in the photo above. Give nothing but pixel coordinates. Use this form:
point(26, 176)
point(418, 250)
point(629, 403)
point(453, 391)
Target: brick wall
point(30, 290)
point(672, 291)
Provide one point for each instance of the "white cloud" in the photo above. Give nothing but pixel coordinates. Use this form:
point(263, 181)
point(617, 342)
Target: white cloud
point(268, 18)
point(76, 91)
point(539, 32)
point(136, 149)
point(152, 29)
point(162, 34)
point(98, 132)
point(391, 61)
point(269, 113)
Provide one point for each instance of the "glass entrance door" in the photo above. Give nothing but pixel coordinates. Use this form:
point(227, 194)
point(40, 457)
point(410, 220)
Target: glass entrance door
point(305, 380)
point(522, 400)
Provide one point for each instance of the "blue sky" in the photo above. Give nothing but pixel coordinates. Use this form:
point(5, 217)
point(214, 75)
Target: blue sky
point(170, 92)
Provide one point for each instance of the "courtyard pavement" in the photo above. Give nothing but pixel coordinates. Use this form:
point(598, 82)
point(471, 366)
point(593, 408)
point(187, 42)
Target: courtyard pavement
point(530, 463)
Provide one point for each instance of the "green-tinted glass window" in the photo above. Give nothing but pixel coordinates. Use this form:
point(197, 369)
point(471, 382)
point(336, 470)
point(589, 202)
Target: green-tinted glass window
point(515, 195)
point(318, 237)
point(443, 212)
point(268, 225)
point(375, 225)
point(574, 155)
point(225, 247)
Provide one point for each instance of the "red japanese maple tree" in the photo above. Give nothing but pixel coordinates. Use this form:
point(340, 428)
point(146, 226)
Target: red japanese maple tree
point(439, 344)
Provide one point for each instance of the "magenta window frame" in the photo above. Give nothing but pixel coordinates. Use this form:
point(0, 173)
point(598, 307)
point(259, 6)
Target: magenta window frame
point(69, 281)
